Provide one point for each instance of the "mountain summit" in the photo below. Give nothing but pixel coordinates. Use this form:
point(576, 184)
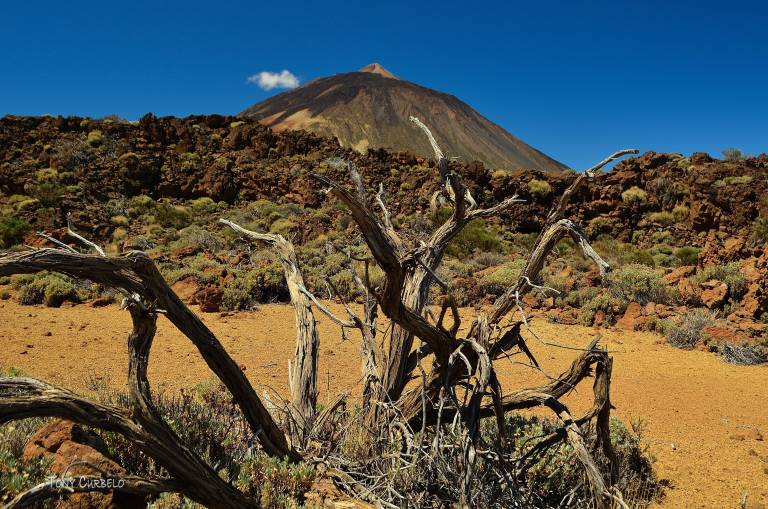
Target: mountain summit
point(370, 109)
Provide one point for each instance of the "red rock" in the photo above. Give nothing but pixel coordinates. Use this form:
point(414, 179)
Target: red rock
point(726, 335)
point(732, 248)
point(67, 443)
point(679, 273)
point(209, 299)
point(713, 293)
point(599, 318)
point(633, 317)
point(186, 289)
point(689, 292)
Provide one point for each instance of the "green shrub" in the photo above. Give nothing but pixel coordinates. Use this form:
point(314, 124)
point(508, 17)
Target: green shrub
point(620, 253)
point(141, 204)
point(580, 297)
point(680, 212)
point(733, 180)
point(48, 193)
point(760, 231)
point(730, 274)
point(49, 289)
point(283, 226)
point(95, 138)
point(203, 205)
point(539, 188)
point(688, 330)
point(638, 283)
point(665, 190)
point(46, 175)
point(119, 220)
point(171, 216)
point(12, 230)
point(17, 475)
point(634, 195)
point(275, 482)
point(262, 284)
point(605, 302)
point(475, 236)
point(664, 218)
point(688, 255)
point(661, 237)
point(502, 278)
point(600, 225)
point(733, 155)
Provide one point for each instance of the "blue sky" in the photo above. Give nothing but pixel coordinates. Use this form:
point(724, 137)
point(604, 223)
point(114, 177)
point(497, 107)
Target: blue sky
point(574, 79)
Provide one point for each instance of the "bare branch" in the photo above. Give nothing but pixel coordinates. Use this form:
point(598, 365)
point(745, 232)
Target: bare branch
point(303, 370)
point(82, 239)
point(136, 273)
point(385, 215)
point(84, 484)
point(57, 242)
point(438, 153)
point(559, 209)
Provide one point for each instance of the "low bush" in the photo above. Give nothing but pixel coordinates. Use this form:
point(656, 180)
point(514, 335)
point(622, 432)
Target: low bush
point(12, 230)
point(760, 231)
point(665, 190)
point(539, 188)
point(262, 284)
point(638, 283)
point(203, 205)
point(502, 278)
point(475, 236)
point(730, 274)
point(95, 138)
point(580, 297)
point(663, 217)
point(680, 213)
point(171, 216)
point(49, 289)
point(620, 253)
point(687, 255)
point(605, 302)
point(744, 355)
point(688, 330)
point(48, 193)
point(733, 180)
point(634, 195)
point(600, 225)
point(733, 155)
point(211, 423)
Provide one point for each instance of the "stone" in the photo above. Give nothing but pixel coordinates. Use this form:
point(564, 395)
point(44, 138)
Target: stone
point(66, 444)
point(726, 335)
point(679, 273)
point(209, 299)
point(689, 292)
point(713, 293)
point(186, 289)
point(633, 318)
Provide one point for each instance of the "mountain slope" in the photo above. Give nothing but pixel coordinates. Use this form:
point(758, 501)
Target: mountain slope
point(370, 109)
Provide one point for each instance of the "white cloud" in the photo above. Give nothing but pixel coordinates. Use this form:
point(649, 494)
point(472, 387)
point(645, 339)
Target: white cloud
point(269, 80)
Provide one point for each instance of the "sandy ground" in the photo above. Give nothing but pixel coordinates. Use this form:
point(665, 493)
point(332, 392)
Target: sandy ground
point(704, 418)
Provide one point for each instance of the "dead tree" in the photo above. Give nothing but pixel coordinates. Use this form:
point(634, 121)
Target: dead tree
point(461, 384)
point(302, 372)
point(410, 271)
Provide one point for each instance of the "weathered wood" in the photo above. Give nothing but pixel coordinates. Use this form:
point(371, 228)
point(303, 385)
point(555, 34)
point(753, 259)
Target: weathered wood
point(135, 273)
point(90, 483)
point(302, 372)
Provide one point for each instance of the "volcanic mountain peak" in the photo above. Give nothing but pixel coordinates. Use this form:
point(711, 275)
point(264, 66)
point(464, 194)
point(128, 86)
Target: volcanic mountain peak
point(370, 109)
point(376, 68)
